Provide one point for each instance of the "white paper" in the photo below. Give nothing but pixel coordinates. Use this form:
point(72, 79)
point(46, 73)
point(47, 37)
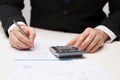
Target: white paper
point(40, 51)
point(58, 70)
point(40, 64)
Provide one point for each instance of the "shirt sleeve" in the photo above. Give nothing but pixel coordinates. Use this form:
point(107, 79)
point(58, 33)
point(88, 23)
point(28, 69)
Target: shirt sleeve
point(13, 25)
point(108, 32)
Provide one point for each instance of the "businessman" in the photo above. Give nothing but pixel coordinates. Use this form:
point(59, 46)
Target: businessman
point(85, 17)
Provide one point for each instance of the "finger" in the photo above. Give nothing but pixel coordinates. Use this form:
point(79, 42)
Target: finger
point(15, 46)
point(97, 47)
point(22, 38)
point(11, 40)
point(21, 41)
point(87, 41)
point(16, 43)
point(81, 39)
point(92, 44)
point(73, 41)
point(32, 34)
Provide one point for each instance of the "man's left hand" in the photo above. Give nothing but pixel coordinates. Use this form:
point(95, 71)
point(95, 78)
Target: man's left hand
point(90, 41)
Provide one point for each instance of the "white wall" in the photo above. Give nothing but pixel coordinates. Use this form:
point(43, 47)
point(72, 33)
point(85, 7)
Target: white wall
point(26, 11)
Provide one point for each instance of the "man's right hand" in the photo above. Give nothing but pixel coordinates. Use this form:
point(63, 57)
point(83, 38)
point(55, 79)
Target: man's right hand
point(19, 41)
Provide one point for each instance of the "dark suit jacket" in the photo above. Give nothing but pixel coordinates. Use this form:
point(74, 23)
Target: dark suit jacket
point(54, 15)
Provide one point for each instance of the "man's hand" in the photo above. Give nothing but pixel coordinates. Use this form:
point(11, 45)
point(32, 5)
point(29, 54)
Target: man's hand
point(19, 41)
point(91, 40)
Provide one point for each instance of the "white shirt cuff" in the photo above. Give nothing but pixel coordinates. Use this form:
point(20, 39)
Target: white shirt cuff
point(13, 25)
point(108, 32)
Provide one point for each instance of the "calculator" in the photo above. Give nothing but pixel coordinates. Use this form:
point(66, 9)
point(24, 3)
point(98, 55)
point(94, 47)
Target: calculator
point(65, 51)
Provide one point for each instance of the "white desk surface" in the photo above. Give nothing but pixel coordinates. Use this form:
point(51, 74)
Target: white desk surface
point(107, 58)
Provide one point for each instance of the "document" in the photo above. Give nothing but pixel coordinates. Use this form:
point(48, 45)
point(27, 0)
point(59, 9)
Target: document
point(39, 52)
point(39, 64)
point(58, 70)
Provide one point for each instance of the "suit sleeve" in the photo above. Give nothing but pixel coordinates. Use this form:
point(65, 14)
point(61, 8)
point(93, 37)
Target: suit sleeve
point(10, 10)
point(113, 21)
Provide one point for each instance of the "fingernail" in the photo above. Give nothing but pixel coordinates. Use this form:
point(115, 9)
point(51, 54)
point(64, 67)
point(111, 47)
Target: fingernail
point(68, 44)
point(91, 51)
point(76, 45)
point(87, 51)
point(82, 48)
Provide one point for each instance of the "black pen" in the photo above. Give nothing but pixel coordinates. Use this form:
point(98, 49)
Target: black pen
point(21, 30)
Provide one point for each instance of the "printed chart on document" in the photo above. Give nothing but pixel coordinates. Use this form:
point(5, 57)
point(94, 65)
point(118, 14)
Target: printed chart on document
point(39, 64)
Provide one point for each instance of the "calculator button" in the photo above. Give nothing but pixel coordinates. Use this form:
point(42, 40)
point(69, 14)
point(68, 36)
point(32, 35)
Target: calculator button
point(55, 49)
